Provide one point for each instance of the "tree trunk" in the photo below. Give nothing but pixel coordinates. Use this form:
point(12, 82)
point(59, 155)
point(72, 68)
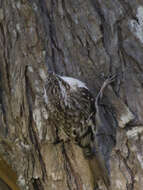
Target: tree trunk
point(87, 40)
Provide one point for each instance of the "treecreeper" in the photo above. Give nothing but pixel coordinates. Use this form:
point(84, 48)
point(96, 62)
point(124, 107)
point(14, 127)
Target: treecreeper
point(75, 113)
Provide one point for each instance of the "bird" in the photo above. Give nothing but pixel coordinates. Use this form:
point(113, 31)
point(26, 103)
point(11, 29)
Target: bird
point(71, 108)
point(77, 116)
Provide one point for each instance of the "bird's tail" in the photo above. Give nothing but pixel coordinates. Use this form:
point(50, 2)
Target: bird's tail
point(99, 170)
point(97, 165)
point(95, 159)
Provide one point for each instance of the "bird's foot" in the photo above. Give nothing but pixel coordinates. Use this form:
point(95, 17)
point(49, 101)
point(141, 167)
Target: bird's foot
point(109, 80)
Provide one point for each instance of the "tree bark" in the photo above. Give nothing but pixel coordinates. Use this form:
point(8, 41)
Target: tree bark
point(88, 40)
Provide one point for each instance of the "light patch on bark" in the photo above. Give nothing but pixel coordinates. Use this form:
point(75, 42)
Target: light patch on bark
point(140, 159)
point(118, 184)
point(37, 87)
point(30, 69)
point(35, 177)
point(44, 53)
point(42, 74)
point(60, 9)
point(56, 176)
point(133, 148)
point(137, 26)
point(18, 4)
point(125, 118)
point(18, 27)
point(38, 120)
point(45, 97)
point(37, 172)
point(44, 113)
point(48, 136)
point(75, 19)
point(74, 83)
point(14, 33)
point(25, 146)
point(21, 180)
point(133, 133)
point(136, 178)
point(31, 30)
point(86, 187)
point(34, 6)
point(13, 4)
point(54, 187)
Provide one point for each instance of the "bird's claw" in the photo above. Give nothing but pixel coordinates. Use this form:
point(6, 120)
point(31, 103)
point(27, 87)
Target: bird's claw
point(110, 79)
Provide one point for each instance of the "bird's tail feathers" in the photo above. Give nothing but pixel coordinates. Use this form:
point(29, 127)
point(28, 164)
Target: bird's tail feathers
point(99, 170)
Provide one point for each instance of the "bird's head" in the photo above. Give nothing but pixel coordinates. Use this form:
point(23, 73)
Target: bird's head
point(56, 88)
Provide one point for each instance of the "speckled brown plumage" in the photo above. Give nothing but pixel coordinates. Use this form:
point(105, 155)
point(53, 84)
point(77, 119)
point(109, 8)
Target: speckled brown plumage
point(71, 109)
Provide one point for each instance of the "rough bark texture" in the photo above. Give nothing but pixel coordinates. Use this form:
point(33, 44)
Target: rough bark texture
point(87, 40)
